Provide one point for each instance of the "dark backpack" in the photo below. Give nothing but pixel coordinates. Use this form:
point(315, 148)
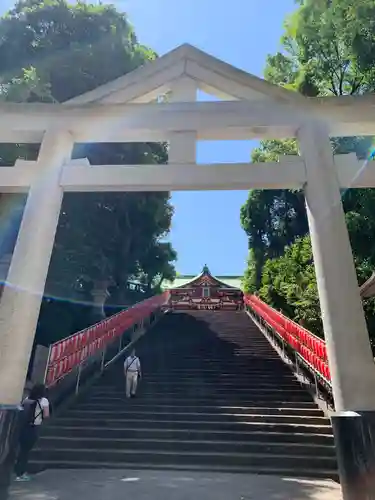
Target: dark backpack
point(29, 413)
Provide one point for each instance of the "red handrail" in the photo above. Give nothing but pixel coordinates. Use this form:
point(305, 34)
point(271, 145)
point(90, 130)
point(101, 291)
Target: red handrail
point(67, 354)
point(308, 346)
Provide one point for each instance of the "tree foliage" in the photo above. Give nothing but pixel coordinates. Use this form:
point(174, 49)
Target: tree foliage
point(273, 218)
point(51, 51)
point(327, 50)
point(288, 282)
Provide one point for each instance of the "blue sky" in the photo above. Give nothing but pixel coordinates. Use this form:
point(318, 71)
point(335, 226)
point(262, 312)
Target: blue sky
point(206, 226)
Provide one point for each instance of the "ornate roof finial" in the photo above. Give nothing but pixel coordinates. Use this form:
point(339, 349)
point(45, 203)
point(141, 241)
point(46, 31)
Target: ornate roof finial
point(205, 269)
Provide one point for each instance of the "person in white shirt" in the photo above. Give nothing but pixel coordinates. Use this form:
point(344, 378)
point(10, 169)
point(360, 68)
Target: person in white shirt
point(35, 409)
point(132, 370)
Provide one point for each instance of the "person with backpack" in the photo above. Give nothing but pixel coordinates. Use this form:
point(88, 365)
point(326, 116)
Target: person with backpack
point(132, 369)
point(35, 409)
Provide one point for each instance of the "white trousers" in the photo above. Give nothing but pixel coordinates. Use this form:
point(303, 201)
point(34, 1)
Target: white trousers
point(131, 383)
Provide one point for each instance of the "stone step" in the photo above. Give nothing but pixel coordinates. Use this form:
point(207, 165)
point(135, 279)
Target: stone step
point(165, 399)
point(64, 442)
point(237, 377)
point(230, 363)
point(202, 397)
point(195, 424)
point(203, 388)
point(254, 359)
point(198, 402)
point(189, 371)
point(184, 384)
point(231, 368)
point(40, 464)
point(152, 432)
point(254, 354)
point(214, 378)
point(208, 356)
point(134, 456)
point(195, 416)
point(137, 406)
point(216, 371)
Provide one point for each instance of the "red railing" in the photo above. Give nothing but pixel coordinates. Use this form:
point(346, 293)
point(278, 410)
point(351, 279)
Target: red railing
point(67, 354)
point(309, 347)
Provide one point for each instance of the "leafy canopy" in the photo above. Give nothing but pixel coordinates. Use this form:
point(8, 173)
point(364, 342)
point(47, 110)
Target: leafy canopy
point(328, 49)
point(51, 51)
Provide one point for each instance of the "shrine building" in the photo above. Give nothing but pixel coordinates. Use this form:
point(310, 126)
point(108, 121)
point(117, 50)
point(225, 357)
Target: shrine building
point(205, 292)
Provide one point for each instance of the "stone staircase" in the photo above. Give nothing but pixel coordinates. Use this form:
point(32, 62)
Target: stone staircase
point(215, 396)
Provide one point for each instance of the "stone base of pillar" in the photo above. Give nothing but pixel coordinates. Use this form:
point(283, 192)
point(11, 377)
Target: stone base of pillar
point(355, 448)
point(8, 445)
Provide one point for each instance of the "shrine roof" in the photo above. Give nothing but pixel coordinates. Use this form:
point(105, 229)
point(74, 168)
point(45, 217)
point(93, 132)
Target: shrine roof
point(225, 281)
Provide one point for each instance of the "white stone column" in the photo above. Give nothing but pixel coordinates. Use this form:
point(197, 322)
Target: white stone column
point(350, 359)
point(21, 299)
point(183, 144)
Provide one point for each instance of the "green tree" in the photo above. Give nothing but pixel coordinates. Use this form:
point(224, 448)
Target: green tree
point(73, 47)
point(323, 43)
point(156, 265)
point(272, 219)
point(289, 284)
point(53, 51)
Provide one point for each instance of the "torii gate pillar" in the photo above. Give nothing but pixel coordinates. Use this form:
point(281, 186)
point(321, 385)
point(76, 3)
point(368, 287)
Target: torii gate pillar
point(349, 353)
point(21, 299)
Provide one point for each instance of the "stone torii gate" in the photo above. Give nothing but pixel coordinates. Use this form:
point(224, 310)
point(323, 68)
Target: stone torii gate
point(129, 110)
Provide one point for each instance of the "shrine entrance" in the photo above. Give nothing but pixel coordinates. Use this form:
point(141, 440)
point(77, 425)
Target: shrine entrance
point(205, 293)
